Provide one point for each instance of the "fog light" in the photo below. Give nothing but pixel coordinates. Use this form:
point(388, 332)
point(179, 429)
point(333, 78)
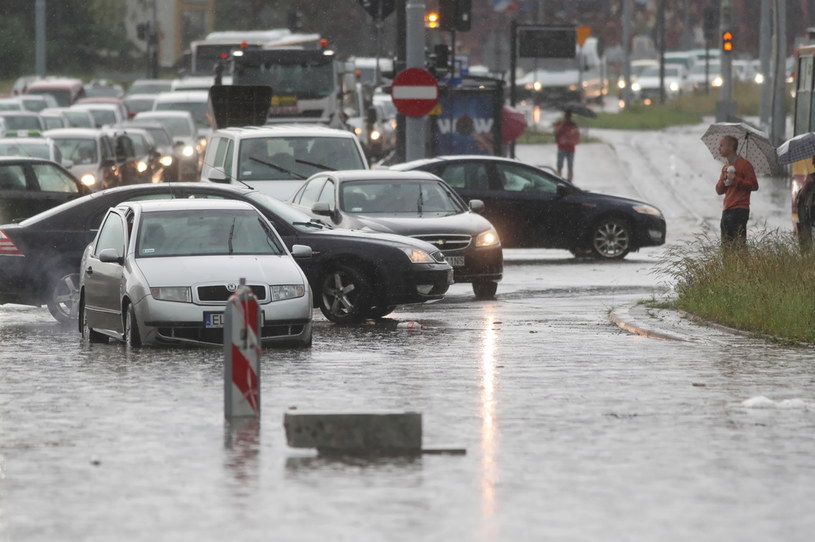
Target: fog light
point(424, 289)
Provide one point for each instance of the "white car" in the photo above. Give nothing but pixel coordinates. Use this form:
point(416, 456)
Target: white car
point(162, 272)
point(181, 127)
point(277, 159)
point(701, 74)
point(646, 87)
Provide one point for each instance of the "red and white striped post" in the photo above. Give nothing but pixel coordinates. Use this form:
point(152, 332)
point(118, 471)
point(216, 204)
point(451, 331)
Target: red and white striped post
point(242, 354)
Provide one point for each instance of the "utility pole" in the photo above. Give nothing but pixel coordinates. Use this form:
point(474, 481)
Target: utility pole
point(725, 108)
point(627, 51)
point(764, 49)
point(779, 121)
point(414, 126)
point(39, 32)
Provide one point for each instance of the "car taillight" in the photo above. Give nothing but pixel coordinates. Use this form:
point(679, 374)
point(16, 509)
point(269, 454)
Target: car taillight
point(7, 246)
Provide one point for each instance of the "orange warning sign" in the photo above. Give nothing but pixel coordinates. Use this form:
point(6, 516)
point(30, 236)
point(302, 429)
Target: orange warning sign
point(583, 32)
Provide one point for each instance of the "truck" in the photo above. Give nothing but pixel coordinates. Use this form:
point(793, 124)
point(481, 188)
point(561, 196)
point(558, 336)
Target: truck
point(558, 80)
point(308, 85)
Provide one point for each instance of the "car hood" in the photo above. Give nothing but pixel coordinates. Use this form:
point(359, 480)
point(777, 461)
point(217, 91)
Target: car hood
point(464, 223)
point(182, 271)
point(594, 197)
point(377, 237)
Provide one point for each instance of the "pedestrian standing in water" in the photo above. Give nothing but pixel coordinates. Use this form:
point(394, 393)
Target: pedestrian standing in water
point(567, 136)
point(736, 181)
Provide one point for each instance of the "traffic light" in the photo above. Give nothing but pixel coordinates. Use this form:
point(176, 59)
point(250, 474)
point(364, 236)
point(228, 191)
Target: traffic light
point(431, 19)
point(727, 41)
point(455, 15)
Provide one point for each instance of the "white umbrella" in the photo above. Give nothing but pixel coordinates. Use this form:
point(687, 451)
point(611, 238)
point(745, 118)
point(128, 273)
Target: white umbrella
point(754, 145)
point(800, 147)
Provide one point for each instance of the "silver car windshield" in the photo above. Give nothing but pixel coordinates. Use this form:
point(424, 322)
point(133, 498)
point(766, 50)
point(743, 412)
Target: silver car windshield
point(215, 233)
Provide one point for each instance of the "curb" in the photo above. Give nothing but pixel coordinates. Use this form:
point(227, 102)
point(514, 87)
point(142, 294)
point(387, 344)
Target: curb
point(624, 322)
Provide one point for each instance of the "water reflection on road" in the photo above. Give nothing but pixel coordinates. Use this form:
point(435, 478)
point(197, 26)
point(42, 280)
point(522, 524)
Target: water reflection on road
point(574, 430)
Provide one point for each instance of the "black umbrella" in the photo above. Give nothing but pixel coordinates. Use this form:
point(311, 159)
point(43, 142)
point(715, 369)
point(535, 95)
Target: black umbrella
point(578, 109)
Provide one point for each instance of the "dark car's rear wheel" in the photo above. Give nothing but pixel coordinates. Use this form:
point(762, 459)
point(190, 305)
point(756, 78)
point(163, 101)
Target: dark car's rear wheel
point(345, 295)
point(611, 239)
point(63, 295)
point(484, 289)
point(88, 333)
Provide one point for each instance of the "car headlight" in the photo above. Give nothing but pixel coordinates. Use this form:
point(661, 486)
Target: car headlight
point(375, 135)
point(180, 294)
point(674, 86)
point(647, 210)
point(166, 161)
point(717, 81)
point(635, 87)
point(759, 78)
point(287, 291)
point(188, 151)
point(88, 179)
point(141, 166)
point(418, 255)
point(488, 238)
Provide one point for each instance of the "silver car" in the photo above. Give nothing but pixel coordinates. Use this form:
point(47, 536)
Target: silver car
point(161, 272)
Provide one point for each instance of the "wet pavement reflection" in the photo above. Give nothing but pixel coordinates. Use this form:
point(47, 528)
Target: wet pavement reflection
point(574, 429)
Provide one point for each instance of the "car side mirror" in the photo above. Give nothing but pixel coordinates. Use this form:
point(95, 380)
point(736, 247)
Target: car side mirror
point(476, 205)
point(109, 255)
point(218, 175)
point(301, 251)
point(67, 164)
point(321, 208)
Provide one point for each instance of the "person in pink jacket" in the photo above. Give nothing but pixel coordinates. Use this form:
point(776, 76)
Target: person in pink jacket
point(567, 136)
point(736, 182)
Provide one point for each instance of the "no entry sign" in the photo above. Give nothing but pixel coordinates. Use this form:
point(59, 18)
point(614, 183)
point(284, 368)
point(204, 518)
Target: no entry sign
point(415, 92)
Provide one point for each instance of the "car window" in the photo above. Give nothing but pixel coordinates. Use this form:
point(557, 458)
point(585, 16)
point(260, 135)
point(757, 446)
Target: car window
point(111, 234)
point(191, 233)
point(124, 148)
point(228, 157)
point(219, 147)
point(53, 179)
point(402, 196)
point(12, 177)
point(107, 148)
point(327, 195)
point(472, 176)
point(520, 179)
point(311, 192)
point(80, 151)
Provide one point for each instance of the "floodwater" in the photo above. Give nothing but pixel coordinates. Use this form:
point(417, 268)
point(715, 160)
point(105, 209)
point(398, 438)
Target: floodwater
point(573, 429)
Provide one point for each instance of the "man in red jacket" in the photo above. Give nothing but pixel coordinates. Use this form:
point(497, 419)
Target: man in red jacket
point(736, 186)
point(567, 135)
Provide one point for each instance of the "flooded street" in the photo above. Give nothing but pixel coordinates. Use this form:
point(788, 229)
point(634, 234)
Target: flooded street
point(574, 429)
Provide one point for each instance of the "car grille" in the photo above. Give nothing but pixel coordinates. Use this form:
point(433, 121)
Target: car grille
point(219, 292)
point(216, 336)
point(445, 242)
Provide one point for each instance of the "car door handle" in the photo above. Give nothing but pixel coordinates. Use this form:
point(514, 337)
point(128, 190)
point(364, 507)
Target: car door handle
point(89, 270)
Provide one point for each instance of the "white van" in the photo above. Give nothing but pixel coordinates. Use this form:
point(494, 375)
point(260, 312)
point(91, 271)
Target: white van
point(277, 159)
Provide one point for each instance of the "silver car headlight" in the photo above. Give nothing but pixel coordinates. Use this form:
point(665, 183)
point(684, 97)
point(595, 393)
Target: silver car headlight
point(418, 255)
point(488, 238)
point(188, 151)
point(647, 210)
point(180, 294)
point(88, 179)
point(141, 166)
point(166, 161)
point(635, 87)
point(287, 291)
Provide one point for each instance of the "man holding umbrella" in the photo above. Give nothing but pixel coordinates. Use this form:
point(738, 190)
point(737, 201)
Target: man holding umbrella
point(736, 182)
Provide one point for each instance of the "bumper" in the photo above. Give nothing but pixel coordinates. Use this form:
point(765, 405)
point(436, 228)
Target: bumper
point(651, 233)
point(166, 322)
point(419, 284)
point(477, 265)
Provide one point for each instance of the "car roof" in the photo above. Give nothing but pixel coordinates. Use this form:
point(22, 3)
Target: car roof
point(164, 113)
point(450, 158)
point(87, 106)
point(54, 83)
point(283, 130)
point(183, 96)
point(187, 204)
point(18, 114)
point(21, 159)
point(378, 175)
point(73, 132)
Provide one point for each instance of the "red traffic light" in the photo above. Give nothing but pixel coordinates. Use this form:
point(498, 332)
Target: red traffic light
point(727, 41)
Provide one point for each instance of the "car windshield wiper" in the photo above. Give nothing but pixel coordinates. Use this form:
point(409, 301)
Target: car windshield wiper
point(316, 165)
point(231, 233)
point(275, 166)
point(313, 223)
point(420, 202)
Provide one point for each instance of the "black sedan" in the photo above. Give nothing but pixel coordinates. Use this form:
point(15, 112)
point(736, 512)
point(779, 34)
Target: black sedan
point(31, 185)
point(531, 207)
point(410, 203)
point(353, 275)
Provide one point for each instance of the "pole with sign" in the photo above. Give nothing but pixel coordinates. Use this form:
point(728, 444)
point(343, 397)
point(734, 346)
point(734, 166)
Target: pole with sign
point(242, 325)
point(415, 92)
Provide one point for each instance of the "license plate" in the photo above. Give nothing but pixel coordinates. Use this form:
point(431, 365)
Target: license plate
point(216, 319)
point(213, 319)
point(455, 261)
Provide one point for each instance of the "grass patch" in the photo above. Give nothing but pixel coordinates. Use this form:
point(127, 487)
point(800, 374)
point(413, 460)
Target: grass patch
point(767, 287)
